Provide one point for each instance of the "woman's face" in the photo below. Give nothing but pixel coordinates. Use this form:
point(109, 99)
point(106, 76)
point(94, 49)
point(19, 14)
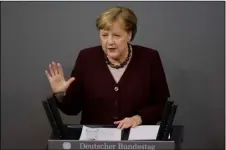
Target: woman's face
point(114, 41)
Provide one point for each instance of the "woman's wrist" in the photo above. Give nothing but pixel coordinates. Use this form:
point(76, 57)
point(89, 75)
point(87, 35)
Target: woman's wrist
point(59, 95)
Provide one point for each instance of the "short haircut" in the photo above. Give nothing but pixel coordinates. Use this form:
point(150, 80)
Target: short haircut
point(109, 16)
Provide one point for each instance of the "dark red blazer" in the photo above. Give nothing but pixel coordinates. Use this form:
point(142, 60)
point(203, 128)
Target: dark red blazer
point(141, 90)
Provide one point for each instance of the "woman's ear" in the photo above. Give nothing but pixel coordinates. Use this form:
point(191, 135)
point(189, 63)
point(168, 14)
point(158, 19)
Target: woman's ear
point(130, 36)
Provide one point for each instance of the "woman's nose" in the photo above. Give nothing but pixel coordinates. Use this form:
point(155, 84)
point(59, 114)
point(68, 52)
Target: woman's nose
point(110, 40)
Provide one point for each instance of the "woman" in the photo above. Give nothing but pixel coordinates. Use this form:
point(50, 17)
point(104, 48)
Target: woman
point(115, 83)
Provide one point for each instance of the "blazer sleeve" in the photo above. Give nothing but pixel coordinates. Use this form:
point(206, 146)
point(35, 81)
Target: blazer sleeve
point(71, 103)
point(159, 93)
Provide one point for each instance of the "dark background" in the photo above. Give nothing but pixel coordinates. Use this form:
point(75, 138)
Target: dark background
point(189, 36)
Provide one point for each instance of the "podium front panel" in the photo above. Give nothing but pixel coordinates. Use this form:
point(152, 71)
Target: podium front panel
point(118, 145)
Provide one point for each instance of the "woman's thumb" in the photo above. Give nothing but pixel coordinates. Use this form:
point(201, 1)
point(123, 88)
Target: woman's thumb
point(71, 80)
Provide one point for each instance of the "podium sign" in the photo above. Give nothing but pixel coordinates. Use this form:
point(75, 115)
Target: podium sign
point(110, 145)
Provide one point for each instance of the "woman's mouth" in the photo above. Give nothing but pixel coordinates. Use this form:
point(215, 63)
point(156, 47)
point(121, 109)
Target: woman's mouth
point(111, 49)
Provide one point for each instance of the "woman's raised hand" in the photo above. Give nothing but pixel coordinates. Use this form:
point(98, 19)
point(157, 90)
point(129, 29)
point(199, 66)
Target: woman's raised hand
point(56, 78)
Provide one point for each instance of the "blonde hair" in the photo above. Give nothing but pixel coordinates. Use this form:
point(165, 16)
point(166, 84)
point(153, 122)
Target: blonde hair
point(109, 16)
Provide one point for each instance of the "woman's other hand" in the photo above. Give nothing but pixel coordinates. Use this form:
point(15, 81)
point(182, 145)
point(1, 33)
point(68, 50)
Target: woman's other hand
point(129, 122)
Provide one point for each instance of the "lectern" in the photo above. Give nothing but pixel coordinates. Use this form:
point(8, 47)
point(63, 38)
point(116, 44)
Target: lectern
point(66, 136)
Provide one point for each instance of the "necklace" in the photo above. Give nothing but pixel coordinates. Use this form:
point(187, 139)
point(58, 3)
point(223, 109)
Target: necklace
point(123, 63)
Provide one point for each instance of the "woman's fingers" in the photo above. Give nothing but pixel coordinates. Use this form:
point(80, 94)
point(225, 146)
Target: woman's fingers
point(117, 122)
point(120, 125)
point(60, 69)
point(51, 70)
point(48, 75)
point(55, 68)
point(123, 123)
point(126, 123)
